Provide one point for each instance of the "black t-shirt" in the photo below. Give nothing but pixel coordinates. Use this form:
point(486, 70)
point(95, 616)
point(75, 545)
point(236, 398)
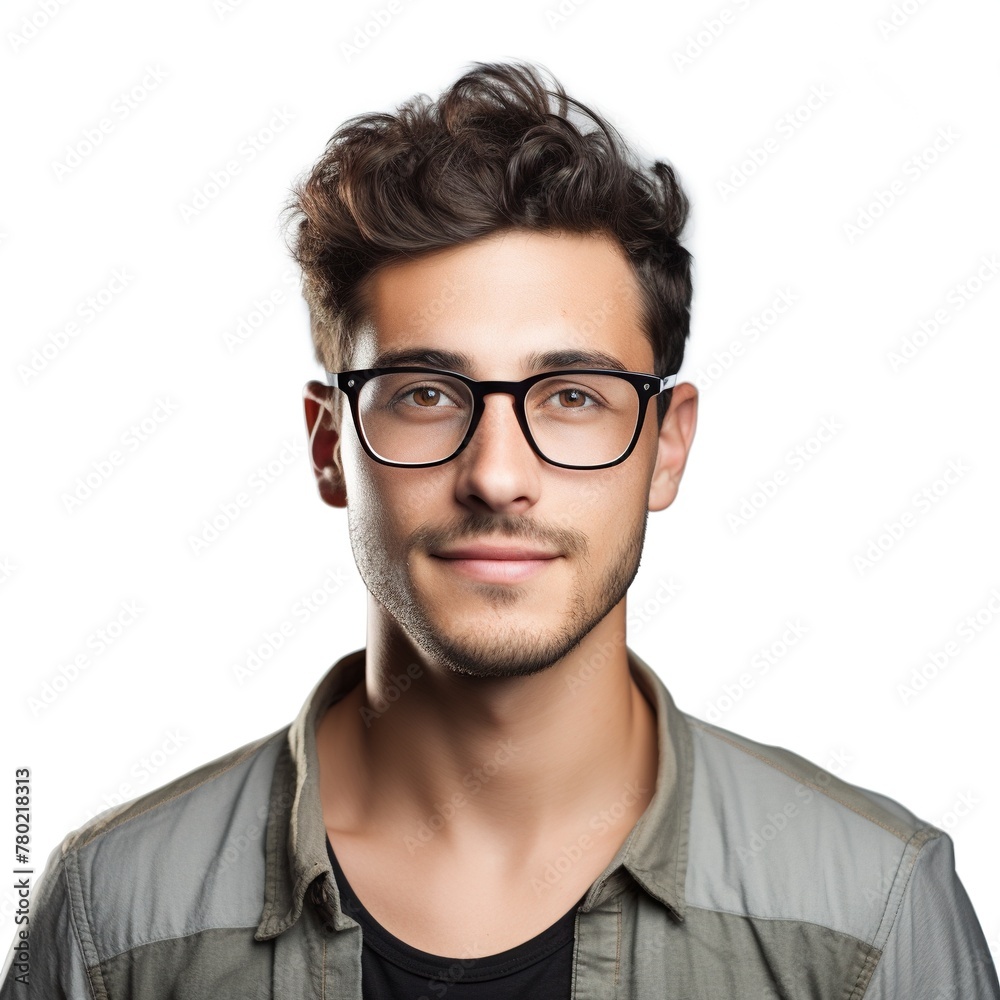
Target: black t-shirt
point(392, 970)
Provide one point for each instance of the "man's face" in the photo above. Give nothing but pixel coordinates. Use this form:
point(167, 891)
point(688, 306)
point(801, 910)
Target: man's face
point(499, 301)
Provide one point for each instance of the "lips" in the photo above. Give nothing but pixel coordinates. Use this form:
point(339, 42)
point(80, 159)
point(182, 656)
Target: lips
point(496, 563)
point(495, 570)
point(496, 552)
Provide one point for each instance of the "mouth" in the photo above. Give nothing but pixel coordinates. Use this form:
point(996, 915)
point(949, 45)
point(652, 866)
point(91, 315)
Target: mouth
point(495, 569)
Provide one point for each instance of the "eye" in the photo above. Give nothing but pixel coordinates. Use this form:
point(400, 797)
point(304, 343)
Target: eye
point(425, 397)
point(572, 399)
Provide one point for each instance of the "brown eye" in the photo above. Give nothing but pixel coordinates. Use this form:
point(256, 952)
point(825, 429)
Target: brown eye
point(572, 398)
point(404, 394)
point(426, 396)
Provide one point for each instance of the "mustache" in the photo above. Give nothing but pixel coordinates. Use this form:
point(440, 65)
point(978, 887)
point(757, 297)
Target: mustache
point(478, 527)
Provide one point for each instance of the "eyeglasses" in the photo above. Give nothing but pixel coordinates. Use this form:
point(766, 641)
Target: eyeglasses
point(574, 418)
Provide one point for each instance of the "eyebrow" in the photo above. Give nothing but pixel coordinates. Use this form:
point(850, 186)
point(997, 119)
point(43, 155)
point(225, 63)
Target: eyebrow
point(457, 362)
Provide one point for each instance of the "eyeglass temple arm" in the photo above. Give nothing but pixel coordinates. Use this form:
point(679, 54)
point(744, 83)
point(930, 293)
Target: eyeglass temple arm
point(665, 383)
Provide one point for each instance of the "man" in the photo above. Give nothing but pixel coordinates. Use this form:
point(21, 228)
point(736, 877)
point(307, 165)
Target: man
point(496, 797)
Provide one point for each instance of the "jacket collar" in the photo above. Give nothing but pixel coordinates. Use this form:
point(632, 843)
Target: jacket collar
point(654, 854)
point(296, 835)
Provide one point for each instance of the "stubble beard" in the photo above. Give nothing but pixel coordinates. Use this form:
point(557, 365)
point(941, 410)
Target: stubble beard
point(499, 647)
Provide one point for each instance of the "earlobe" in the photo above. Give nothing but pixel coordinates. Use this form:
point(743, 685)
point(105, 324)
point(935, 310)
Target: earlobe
point(673, 446)
point(324, 443)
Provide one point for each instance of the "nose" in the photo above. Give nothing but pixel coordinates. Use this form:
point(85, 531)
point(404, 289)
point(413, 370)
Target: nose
point(498, 470)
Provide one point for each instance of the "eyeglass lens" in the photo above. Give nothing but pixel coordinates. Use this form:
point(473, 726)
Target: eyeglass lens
point(582, 420)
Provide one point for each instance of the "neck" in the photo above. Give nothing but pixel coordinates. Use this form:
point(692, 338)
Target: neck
point(507, 762)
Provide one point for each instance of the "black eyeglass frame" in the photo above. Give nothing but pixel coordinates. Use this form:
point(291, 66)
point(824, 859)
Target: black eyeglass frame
point(647, 387)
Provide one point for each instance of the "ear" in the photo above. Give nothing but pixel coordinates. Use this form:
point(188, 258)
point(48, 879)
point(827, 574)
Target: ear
point(324, 443)
point(673, 445)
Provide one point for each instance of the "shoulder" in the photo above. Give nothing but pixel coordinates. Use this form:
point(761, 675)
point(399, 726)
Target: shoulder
point(211, 789)
point(777, 836)
point(182, 858)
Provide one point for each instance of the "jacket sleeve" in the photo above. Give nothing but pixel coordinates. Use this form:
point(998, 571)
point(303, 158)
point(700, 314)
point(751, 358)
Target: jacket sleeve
point(936, 949)
point(56, 969)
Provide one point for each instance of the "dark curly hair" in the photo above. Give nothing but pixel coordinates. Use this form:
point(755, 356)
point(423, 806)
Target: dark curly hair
point(496, 151)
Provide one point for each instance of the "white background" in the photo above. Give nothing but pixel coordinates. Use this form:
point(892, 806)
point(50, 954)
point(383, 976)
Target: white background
point(164, 697)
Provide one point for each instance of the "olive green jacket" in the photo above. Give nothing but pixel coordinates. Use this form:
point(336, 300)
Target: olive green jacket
point(752, 874)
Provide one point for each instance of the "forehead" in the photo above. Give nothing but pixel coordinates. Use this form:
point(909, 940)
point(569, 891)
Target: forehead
point(507, 305)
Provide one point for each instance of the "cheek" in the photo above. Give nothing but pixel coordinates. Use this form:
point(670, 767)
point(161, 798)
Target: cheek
point(391, 503)
point(601, 506)
point(648, 443)
point(609, 493)
point(366, 492)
